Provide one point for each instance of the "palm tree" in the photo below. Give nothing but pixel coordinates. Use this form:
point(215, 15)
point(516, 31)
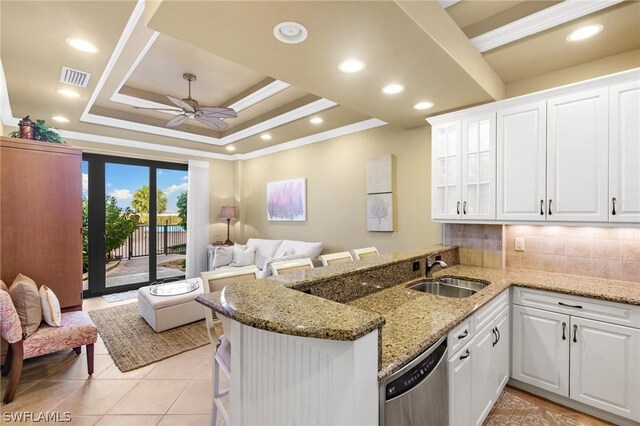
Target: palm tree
point(140, 202)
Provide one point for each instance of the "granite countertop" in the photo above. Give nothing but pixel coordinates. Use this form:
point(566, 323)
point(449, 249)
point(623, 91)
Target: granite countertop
point(274, 304)
point(410, 321)
point(269, 306)
point(415, 320)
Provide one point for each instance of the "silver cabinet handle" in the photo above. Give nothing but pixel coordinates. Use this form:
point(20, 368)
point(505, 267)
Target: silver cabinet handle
point(613, 201)
point(495, 334)
point(466, 355)
point(541, 207)
point(464, 207)
point(564, 326)
point(550, 201)
point(463, 335)
point(575, 333)
point(458, 207)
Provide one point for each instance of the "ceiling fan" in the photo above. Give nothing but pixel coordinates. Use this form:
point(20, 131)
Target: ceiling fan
point(188, 107)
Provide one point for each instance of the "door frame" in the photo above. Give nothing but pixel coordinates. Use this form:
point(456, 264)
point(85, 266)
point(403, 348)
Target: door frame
point(96, 217)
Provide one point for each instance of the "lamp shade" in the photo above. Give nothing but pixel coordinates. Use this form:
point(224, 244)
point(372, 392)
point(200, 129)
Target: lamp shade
point(228, 212)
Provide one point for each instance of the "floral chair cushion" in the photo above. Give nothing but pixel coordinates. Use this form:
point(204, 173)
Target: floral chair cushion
point(10, 327)
point(76, 330)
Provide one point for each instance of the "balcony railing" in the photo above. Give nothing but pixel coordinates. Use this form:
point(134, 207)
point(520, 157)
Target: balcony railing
point(170, 239)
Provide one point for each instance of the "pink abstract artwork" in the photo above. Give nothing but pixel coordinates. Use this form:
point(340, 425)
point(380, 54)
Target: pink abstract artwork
point(286, 200)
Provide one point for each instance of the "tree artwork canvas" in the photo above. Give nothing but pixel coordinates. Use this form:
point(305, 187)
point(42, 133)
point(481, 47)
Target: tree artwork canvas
point(380, 212)
point(286, 200)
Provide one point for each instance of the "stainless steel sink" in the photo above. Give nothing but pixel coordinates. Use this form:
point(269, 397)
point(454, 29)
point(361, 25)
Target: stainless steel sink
point(449, 287)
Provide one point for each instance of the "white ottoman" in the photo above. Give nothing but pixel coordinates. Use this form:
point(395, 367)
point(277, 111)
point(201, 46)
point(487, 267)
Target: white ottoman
point(166, 312)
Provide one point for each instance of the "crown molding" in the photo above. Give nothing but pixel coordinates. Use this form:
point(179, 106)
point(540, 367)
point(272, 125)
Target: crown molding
point(259, 95)
point(550, 17)
point(318, 137)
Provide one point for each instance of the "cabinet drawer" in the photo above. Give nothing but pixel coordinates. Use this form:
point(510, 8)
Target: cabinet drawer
point(487, 313)
point(584, 307)
point(459, 336)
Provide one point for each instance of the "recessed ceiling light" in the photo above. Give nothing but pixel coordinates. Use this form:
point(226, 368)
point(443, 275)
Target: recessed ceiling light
point(423, 105)
point(584, 32)
point(60, 119)
point(230, 148)
point(265, 137)
point(82, 45)
point(69, 93)
point(392, 89)
point(290, 32)
point(316, 120)
point(351, 66)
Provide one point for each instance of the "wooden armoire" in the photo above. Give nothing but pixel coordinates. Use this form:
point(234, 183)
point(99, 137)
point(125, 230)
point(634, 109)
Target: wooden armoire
point(41, 216)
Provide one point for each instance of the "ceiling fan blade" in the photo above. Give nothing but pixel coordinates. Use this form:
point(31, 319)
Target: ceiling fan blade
point(211, 111)
point(160, 109)
point(214, 122)
point(177, 120)
point(182, 104)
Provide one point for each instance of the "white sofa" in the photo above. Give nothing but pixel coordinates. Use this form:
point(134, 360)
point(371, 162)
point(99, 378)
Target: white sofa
point(266, 251)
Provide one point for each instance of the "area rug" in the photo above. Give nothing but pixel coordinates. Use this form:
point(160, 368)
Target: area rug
point(512, 409)
point(119, 297)
point(132, 343)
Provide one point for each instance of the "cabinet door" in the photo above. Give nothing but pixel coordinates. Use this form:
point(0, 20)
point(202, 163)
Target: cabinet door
point(482, 373)
point(479, 167)
point(624, 153)
point(577, 151)
point(501, 352)
point(460, 387)
point(522, 163)
point(605, 366)
point(446, 171)
point(540, 349)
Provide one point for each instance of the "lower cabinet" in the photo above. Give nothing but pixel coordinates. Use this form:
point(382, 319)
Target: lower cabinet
point(479, 371)
point(593, 362)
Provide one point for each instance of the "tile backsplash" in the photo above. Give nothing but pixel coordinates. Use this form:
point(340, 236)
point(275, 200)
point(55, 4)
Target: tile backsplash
point(612, 253)
point(478, 245)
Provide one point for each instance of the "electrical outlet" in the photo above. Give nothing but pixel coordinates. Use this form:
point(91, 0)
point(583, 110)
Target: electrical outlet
point(519, 244)
point(416, 266)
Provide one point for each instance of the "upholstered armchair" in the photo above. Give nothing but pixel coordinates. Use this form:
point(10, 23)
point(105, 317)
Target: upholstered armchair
point(77, 330)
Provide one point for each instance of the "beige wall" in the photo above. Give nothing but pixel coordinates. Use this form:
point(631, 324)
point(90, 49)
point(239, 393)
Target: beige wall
point(335, 173)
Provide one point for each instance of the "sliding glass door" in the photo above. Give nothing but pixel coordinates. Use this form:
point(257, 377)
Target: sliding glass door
point(134, 227)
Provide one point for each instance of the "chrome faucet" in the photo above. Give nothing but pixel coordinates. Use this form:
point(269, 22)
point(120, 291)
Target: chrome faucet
point(433, 264)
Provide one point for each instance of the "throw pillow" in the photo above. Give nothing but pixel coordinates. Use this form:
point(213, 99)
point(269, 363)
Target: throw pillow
point(243, 255)
point(24, 293)
point(50, 307)
point(3, 286)
point(222, 256)
point(299, 247)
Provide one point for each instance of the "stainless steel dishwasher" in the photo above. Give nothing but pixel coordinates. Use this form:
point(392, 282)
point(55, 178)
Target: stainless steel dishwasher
point(417, 395)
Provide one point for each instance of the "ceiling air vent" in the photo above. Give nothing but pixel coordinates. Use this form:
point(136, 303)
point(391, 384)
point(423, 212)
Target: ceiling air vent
point(74, 77)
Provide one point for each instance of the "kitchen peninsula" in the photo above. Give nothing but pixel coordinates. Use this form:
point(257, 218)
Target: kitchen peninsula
point(314, 346)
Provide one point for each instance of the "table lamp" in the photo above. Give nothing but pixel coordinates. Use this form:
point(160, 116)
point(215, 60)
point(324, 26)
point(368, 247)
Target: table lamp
point(228, 212)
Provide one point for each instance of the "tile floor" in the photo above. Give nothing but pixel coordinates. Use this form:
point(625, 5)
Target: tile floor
point(174, 391)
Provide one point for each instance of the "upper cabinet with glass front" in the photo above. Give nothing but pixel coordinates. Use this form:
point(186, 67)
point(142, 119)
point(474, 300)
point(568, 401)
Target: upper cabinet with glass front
point(463, 164)
point(569, 154)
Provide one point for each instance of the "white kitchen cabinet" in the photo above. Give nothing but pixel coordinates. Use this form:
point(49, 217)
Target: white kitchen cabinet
point(522, 162)
point(605, 366)
point(624, 153)
point(482, 374)
point(460, 387)
point(540, 349)
point(480, 369)
point(479, 167)
point(577, 152)
point(446, 165)
point(502, 352)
